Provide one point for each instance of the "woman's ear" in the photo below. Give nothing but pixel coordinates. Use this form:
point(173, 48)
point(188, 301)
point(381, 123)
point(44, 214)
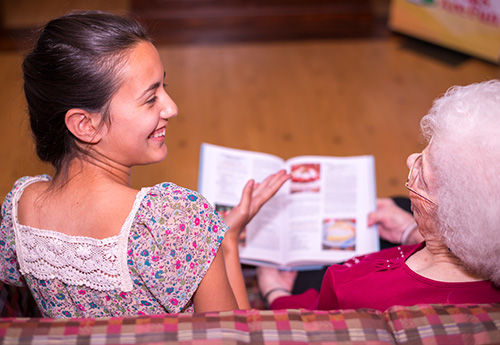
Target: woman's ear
point(84, 125)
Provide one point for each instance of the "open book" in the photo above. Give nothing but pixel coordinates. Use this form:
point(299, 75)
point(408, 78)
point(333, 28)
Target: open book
point(319, 217)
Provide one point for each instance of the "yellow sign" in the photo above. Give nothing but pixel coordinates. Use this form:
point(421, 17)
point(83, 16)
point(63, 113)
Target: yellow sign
point(468, 26)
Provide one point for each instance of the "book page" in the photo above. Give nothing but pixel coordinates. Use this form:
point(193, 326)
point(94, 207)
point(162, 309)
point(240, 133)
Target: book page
point(317, 218)
point(329, 202)
point(222, 176)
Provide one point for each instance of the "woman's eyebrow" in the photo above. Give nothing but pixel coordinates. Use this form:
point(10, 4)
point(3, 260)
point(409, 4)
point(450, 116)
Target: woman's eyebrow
point(151, 88)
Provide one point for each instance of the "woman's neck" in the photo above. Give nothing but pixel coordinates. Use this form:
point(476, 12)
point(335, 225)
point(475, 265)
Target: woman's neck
point(435, 261)
point(98, 169)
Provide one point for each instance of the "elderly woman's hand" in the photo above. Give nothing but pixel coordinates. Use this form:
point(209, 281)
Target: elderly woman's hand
point(394, 224)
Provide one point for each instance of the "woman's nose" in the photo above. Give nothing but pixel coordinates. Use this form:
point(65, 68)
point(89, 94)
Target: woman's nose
point(411, 159)
point(170, 108)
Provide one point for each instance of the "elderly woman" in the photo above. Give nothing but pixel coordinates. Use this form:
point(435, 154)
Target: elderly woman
point(455, 194)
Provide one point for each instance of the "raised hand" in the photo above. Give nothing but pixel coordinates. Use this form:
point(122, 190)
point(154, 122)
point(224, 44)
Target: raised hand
point(254, 196)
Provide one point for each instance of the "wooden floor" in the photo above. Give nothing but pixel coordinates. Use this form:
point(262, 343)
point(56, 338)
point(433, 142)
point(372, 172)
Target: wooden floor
point(317, 97)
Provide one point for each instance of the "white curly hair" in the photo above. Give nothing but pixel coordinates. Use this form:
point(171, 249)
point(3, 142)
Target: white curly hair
point(464, 125)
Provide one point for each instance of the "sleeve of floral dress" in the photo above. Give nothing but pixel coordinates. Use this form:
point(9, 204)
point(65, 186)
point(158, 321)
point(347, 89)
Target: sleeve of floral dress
point(9, 266)
point(175, 243)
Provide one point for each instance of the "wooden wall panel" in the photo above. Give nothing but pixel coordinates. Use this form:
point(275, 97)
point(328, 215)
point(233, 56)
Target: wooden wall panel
point(223, 20)
point(343, 96)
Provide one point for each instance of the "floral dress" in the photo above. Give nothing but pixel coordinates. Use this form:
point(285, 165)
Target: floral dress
point(153, 266)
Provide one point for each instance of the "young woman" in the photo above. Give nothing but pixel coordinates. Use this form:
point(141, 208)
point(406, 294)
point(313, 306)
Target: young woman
point(84, 241)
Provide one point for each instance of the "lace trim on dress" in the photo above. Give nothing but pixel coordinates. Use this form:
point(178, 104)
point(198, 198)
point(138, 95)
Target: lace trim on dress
point(75, 260)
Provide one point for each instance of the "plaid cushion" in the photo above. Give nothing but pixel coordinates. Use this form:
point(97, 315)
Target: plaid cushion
point(445, 324)
point(233, 327)
point(421, 324)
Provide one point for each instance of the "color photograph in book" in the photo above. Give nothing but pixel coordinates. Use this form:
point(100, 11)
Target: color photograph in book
point(319, 217)
point(305, 178)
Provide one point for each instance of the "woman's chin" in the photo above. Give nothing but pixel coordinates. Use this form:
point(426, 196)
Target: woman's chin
point(163, 155)
point(157, 157)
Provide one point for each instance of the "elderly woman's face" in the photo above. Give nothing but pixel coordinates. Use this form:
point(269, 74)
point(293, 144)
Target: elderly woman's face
point(420, 185)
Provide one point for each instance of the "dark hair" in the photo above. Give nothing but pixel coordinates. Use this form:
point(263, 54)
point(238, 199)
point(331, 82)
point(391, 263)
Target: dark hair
point(75, 63)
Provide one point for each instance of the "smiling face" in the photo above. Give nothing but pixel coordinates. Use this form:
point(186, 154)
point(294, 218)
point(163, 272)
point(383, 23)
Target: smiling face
point(139, 111)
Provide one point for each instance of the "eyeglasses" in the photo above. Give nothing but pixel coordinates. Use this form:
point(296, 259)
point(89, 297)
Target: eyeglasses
point(412, 177)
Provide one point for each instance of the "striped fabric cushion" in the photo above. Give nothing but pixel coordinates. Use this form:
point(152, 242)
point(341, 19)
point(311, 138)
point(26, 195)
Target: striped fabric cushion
point(420, 324)
point(233, 327)
point(445, 324)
